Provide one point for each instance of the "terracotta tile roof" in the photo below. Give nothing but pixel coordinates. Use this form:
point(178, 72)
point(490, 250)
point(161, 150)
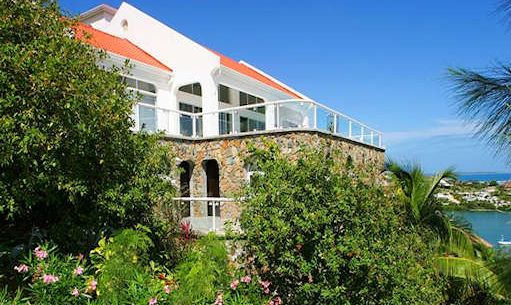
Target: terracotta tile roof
point(116, 45)
point(243, 69)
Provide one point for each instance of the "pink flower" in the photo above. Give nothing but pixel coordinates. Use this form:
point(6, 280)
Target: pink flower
point(92, 285)
point(166, 289)
point(219, 299)
point(40, 253)
point(75, 292)
point(234, 284)
point(152, 301)
point(246, 279)
point(265, 285)
point(50, 278)
point(275, 301)
point(21, 268)
point(78, 271)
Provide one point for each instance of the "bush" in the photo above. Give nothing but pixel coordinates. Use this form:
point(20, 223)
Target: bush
point(202, 273)
point(323, 233)
point(120, 273)
point(70, 165)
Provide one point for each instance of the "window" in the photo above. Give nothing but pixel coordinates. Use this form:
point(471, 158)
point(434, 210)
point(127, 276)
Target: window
point(146, 106)
point(248, 99)
point(247, 124)
point(189, 108)
point(194, 89)
point(224, 94)
point(186, 121)
point(138, 84)
point(225, 123)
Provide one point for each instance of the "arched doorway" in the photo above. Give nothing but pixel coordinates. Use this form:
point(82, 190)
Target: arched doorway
point(212, 184)
point(185, 176)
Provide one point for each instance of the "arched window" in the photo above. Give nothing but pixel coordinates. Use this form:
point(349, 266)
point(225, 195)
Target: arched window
point(185, 175)
point(212, 185)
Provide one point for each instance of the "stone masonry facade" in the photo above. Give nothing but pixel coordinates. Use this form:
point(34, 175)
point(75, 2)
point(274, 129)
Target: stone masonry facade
point(230, 151)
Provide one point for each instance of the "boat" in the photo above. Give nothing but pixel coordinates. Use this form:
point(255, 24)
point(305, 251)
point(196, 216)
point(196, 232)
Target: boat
point(503, 242)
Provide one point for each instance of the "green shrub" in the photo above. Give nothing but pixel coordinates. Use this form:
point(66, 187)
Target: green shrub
point(323, 233)
point(123, 269)
point(202, 273)
point(70, 163)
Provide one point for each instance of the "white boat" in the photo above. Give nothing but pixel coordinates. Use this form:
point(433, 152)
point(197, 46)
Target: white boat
point(503, 242)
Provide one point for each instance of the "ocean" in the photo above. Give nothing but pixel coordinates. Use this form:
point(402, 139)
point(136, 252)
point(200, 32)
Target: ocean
point(500, 177)
point(490, 225)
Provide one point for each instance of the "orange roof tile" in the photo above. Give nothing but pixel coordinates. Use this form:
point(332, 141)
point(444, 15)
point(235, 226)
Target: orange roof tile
point(243, 69)
point(117, 45)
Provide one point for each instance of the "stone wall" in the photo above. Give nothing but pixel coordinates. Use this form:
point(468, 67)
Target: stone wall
point(230, 151)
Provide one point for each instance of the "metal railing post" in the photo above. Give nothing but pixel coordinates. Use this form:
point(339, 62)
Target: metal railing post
point(379, 140)
point(335, 124)
point(372, 137)
point(277, 111)
point(362, 134)
point(214, 216)
point(194, 126)
point(233, 113)
point(315, 109)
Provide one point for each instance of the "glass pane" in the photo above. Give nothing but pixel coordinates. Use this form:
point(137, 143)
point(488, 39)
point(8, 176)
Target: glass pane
point(225, 123)
point(197, 90)
point(243, 99)
point(147, 118)
point(146, 87)
point(186, 88)
point(223, 94)
point(325, 120)
point(148, 99)
point(185, 107)
point(130, 82)
point(185, 125)
point(198, 126)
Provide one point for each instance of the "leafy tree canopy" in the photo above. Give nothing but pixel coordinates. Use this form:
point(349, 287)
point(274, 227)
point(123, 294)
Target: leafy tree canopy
point(69, 162)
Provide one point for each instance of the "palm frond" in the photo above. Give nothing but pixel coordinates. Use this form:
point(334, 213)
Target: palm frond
point(469, 269)
point(485, 99)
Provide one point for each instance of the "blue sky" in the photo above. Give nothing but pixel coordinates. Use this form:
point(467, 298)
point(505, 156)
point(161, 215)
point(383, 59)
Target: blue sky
point(382, 62)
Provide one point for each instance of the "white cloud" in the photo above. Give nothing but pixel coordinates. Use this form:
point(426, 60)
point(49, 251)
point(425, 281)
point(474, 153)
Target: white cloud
point(441, 128)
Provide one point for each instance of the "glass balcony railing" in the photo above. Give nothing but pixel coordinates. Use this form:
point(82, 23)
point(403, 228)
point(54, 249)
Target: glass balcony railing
point(267, 117)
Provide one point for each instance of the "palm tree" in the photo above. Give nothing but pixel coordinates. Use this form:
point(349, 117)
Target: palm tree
point(484, 99)
point(461, 254)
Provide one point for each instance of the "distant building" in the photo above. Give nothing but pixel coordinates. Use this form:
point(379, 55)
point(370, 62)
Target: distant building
point(210, 107)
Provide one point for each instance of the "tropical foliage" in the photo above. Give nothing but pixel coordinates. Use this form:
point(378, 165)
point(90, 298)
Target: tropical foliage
point(462, 256)
point(70, 165)
point(324, 233)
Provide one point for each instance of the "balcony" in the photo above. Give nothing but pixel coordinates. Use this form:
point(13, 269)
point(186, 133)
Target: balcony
point(285, 115)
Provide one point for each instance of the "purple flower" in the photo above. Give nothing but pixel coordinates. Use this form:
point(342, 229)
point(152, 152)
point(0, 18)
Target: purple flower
point(75, 292)
point(152, 301)
point(40, 253)
point(246, 279)
point(21, 268)
point(78, 271)
point(234, 284)
point(50, 278)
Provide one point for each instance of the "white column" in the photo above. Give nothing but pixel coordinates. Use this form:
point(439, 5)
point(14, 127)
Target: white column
point(210, 103)
point(270, 117)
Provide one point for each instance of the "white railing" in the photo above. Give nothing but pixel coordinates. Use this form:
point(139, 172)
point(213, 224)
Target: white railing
point(205, 214)
point(271, 116)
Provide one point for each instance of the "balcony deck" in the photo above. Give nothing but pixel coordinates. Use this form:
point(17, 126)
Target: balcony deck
point(285, 115)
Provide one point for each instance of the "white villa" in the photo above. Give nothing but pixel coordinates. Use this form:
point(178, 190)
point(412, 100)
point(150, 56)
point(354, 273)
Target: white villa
point(209, 106)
